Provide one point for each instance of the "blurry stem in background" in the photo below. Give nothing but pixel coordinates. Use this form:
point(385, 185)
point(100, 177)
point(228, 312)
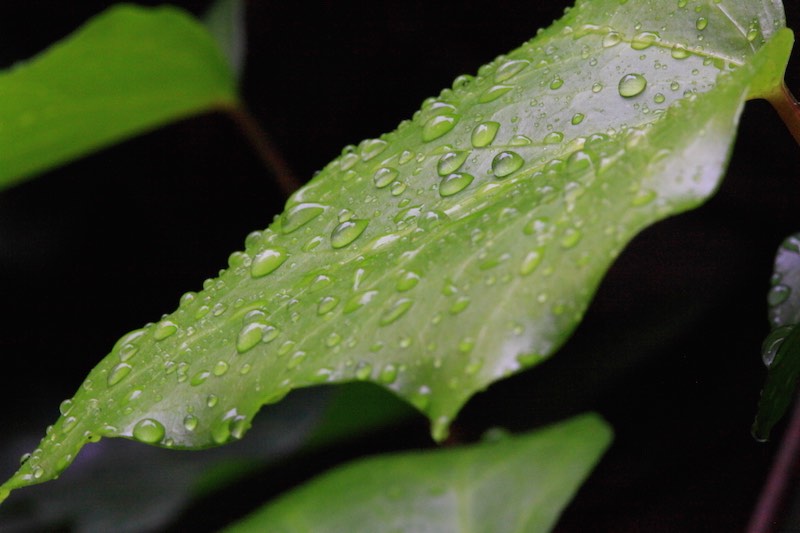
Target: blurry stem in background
point(780, 481)
point(264, 148)
point(788, 108)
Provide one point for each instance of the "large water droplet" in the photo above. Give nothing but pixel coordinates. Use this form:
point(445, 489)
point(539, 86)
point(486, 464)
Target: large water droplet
point(148, 431)
point(509, 69)
point(252, 334)
point(398, 309)
point(631, 85)
point(493, 93)
point(454, 183)
point(267, 261)
point(407, 281)
point(554, 137)
point(484, 133)
point(346, 232)
point(506, 163)
point(612, 38)
point(190, 422)
point(371, 148)
point(679, 51)
point(438, 126)
point(701, 23)
point(118, 373)
point(451, 162)
point(384, 176)
point(644, 40)
point(297, 216)
point(164, 329)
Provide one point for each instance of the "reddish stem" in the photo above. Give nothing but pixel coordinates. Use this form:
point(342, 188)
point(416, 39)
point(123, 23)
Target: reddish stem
point(788, 109)
point(765, 517)
point(266, 151)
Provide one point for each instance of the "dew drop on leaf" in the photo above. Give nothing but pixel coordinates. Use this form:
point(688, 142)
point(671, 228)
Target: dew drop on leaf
point(484, 134)
point(148, 431)
point(267, 261)
point(506, 163)
point(632, 85)
point(347, 232)
point(438, 126)
point(384, 176)
point(299, 215)
point(701, 23)
point(451, 162)
point(454, 183)
point(493, 93)
point(118, 373)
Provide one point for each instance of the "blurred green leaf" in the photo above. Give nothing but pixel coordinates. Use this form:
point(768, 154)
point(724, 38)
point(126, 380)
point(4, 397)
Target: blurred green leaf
point(225, 21)
point(781, 348)
point(517, 484)
point(128, 70)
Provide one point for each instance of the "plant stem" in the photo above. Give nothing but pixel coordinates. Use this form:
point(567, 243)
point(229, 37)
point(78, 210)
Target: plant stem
point(788, 109)
point(784, 467)
point(263, 147)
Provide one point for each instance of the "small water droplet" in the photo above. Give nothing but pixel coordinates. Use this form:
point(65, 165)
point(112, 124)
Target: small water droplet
point(347, 232)
point(644, 40)
point(454, 183)
point(407, 281)
point(384, 176)
point(438, 126)
point(520, 140)
point(701, 23)
point(659, 98)
point(164, 329)
point(148, 431)
point(631, 85)
point(363, 371)
point(212, 400)
point(397, 309)
point(484, 133)
point(327, 304)
point(577, 118)
point(556, 83)
point(451, 162)
point(679, 51)
point(221, 368)
point(531, 261)
point(199, 378)
point(65, 407)
point(778, 294)
point(370, 148)
point(388, 374)
point(509, 69)
point(267, 261)
point(118, 373)
point(190, 422)
point(554, 137)
point(493, 93)
point(571, 238)
point(612, 38)
point(506, 163)
point(643, 197)
point(254, 333)
point(461, 303)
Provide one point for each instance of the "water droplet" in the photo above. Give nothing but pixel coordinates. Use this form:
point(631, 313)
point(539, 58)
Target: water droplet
point(347, 232)
point(221, 368)
point(438, 126)
point(267, 261)
point(451, 162)
point(778, 294)
point(674, 86)
point(701, 23)
point(299, 215)
point(679, 51)
point(148, 431)
point(556, 83)
point(773, 342)
point(520, 140)
point(371, 148)
point(398, 309)
point(577, 118)
point(659, 98)
point(571, 237)
point(118, 373)
point(363, 371)
point(461, 303)
point(454, 183)
point(554, 137)
point(752, 33)
point(190, 422)
point(493, 93)
point(407, 281)
point(506, 163)
point(358, 301)
point(333, 339)
point(254, 333)
point(644, 40)
point(327, 304)
point(531, 261)
point(643, 197)
point(388, 374)
point(296, 358)
point(631, 85)
point(65, 407)
point(612, 38)
point(212, 400)
point(509, 69)
point(597, 87)
point(484, 133)
point(384, 176)
point(199, 378)
point(164, 329)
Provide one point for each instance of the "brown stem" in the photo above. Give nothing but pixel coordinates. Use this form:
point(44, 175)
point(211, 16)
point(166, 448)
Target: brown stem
point(788, 109)
point(263, 147)
point(784, 467)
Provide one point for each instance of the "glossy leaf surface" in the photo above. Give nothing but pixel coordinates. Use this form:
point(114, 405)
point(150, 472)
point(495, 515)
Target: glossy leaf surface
point(460, 248)
point(781, 349)
point(128, 70)
point(518, 484)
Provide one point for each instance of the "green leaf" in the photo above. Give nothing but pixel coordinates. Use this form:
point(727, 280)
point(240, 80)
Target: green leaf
point(518, 484)
point(225, 22)
point(781, 348)
point(127, 70)
point(459, 249)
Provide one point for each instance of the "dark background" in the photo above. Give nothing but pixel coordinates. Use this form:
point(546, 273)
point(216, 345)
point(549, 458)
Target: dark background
point(669, 352)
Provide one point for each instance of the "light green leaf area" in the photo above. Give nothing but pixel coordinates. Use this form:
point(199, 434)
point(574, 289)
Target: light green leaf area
point(459, 249)
point(127, 70)
point(781, 348)
point(519, 484)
